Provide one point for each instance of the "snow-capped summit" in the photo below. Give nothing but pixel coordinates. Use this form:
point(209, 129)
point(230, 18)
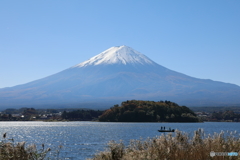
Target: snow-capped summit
point(117, 55)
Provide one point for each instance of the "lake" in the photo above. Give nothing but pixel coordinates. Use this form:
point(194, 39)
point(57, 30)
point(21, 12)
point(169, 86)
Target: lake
point(81, 140)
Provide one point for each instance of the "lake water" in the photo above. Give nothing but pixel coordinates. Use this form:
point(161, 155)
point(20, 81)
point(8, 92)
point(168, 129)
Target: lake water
point(81, 140)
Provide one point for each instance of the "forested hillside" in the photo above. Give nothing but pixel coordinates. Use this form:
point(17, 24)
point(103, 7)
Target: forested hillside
point(81, 115)
point(148, 111)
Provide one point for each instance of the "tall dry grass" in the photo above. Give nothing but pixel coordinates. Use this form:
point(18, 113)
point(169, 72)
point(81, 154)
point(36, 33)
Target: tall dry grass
point(177, 146)
point(18, 151)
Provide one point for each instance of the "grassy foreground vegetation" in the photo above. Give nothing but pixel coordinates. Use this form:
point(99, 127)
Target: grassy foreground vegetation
point(9, 150)
point(178, 147)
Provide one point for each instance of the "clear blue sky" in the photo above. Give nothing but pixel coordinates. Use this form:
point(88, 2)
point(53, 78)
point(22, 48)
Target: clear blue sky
point(198, 38)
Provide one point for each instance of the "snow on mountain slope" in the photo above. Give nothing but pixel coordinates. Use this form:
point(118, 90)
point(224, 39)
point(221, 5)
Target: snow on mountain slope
point(117, 55)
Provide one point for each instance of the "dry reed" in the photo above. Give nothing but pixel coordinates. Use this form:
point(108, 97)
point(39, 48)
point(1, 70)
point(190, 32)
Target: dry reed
point(11, 151)
point(177, 146)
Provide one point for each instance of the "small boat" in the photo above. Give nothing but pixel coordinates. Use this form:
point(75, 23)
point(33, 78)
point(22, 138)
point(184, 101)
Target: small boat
point(163, 130)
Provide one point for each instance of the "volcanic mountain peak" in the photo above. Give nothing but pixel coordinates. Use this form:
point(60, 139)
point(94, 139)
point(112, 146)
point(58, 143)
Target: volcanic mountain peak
point(117, 55)
point(115, 75)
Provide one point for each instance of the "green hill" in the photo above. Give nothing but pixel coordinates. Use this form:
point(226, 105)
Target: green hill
point(148, 111)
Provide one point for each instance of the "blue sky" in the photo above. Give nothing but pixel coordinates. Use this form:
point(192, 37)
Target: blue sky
point(197, 38)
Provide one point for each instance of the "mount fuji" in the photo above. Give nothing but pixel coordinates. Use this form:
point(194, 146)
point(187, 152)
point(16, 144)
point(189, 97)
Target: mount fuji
point(118, 74)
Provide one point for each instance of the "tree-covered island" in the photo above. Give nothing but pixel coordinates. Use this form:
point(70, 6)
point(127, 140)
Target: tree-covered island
point(148, 111)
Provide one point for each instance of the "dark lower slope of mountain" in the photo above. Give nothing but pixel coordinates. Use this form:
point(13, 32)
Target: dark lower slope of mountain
point(110, 83)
